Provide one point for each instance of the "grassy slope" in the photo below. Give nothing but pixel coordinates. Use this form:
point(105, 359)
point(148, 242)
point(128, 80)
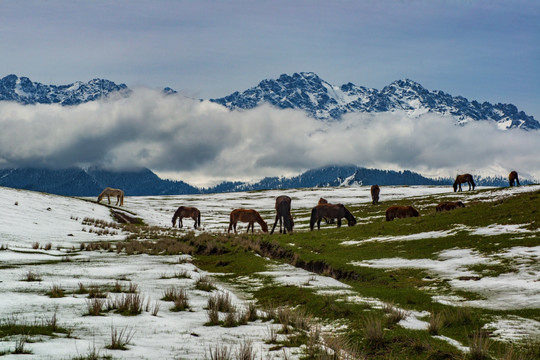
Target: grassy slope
point(321, 251)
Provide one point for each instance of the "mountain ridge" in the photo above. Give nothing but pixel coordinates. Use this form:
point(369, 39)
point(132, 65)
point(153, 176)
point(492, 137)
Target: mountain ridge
point(327, 102)
point(305, 91)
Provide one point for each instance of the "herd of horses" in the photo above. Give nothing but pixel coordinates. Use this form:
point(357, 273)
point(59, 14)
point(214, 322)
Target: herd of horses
point(323, 210)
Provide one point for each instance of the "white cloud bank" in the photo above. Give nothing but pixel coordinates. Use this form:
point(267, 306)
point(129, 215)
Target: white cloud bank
point(201, 142)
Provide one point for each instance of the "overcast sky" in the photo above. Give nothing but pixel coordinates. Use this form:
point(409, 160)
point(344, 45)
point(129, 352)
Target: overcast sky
point(487, 50)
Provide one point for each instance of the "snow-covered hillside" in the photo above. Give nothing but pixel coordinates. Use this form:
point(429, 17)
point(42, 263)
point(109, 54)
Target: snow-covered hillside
point(30, 221)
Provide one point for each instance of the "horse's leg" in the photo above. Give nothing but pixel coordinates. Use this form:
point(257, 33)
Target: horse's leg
point(338, 222)
point(195, 224)
point(274, 227)
point(319, 223)
point(180, 223)
point(109, 199)
point(280, 223)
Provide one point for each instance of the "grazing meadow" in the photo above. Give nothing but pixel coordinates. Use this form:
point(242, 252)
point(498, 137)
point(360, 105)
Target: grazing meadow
point(462, 284)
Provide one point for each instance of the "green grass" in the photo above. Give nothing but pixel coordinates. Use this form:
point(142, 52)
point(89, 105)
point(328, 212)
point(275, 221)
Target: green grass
point(241, 257)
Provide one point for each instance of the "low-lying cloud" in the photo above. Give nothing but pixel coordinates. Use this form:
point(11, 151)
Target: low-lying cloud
point(201, 142)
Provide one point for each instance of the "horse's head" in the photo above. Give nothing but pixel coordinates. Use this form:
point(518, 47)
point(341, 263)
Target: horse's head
point(455, 186)
point(264, 226)
point(352, 221)
point(459, 204)
point(174, 221)
point(414, 212)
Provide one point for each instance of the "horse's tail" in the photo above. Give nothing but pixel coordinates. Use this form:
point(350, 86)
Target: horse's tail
point(472, 183)
point(199, 220)
point(313, 218)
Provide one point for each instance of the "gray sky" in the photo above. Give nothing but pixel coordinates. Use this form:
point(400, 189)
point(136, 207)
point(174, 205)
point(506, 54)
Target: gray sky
point(486, 50)
point(483, 50)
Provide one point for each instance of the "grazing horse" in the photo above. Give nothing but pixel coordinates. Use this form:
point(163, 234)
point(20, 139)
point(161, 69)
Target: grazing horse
point(184, 212)
point(449, 205)
point(249, 216)
point(283, 214)
point(465, 178)
point(375, 191)
point(331, 211)
point(108, 192)
point(400, 212)
point(326, 220)
point(513, 176)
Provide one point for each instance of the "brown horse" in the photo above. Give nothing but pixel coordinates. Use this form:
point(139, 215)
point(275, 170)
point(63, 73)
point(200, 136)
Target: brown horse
point(513, 177)
point(449, 205)
point(400, 212)
point(326, 220)
point(283, 214)
point(249, 216)
point(465, 178)
point(184, 212)
point(375, 191)
point(337, 211)
point(108, 192)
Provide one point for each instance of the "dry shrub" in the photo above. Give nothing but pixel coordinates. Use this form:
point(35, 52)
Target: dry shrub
point(245, 351)
point(119, 339)
point(436, 323)
point(126, 304)
point(95, 306)
point(479, 346)
point(56, 291)
point(204, 283)
point(181, 301)
point(213, 316)
point(220, 352)
point(31, 276)
point(373, 332)
point(230, 318)
point(35, 245)
point(47, 247)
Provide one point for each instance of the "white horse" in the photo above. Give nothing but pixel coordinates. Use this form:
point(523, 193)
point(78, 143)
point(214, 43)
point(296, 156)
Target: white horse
point(108, 192)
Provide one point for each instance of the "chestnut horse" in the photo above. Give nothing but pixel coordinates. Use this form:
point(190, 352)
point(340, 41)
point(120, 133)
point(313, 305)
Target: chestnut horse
point(249, 216)
point(512, 177)
point(375, 191)
point(449, 205)
point(184, 212)
point(283, 214)
point(400, 212)
point(465, 178)
point(331, 211)
point(108, 192)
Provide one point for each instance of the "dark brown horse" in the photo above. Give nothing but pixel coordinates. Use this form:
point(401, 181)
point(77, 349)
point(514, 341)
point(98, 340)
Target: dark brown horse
point(513, 177)
point(337, 211)
point(249, 216)
point(283, 214)
point(375, 191)
point(465, 178)
point(400, 212)
point(449, 205)
point(187, 212)
point(326, 220)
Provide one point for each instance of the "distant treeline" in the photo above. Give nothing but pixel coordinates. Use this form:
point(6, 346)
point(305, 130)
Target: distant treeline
point(90, 182)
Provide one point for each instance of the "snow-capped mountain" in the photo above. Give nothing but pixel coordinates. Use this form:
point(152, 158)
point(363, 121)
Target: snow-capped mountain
point(325, 101)
point(25, 91)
